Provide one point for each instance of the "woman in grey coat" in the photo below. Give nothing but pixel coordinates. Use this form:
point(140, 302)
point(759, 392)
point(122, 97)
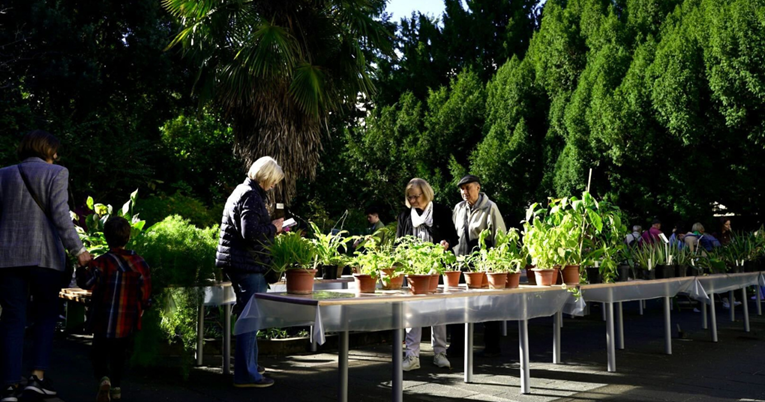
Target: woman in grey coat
point(35, 228)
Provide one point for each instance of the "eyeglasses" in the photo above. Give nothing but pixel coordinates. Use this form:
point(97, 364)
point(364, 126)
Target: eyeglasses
point(413, 196)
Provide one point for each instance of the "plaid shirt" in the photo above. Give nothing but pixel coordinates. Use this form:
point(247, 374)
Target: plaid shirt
point(121, 286)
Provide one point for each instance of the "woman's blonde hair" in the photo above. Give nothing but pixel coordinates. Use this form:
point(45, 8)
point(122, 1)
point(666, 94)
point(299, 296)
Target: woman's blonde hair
point(266, 172)
point(424, 188)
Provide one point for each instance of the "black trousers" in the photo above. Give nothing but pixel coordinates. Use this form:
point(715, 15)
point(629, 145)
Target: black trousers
point(492, 335)
point(109, 357)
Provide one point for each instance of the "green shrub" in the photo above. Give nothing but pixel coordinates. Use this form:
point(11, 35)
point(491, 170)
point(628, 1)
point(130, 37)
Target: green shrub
point(179, 253)
point(157, 207)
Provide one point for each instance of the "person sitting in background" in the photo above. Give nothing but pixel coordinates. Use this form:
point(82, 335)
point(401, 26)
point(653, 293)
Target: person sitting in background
point(678, 234)
point(634, 238)
point(373, 217)
point(651, 235)
point(726, 234)
point(121, 285)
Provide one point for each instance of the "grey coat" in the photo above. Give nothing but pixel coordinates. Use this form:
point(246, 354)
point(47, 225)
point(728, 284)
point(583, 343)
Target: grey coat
point(484, 215)
point(27, 236)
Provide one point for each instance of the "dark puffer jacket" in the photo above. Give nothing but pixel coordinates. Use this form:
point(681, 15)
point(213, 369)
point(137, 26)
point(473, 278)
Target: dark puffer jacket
point(245, 231)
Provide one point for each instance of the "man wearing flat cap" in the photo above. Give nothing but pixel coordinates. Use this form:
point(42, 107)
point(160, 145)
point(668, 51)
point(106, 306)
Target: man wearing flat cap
point(475, 213)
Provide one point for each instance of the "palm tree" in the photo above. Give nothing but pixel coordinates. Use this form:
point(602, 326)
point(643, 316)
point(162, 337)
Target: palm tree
point(279, 68)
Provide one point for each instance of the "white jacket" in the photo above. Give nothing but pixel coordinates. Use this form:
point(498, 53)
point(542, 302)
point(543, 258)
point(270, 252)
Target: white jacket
point(485, 215)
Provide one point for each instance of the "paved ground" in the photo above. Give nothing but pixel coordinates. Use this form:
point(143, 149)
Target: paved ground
point(698, 370)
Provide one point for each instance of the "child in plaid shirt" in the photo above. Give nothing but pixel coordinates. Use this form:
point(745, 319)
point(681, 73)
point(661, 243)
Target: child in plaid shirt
point(121, 286)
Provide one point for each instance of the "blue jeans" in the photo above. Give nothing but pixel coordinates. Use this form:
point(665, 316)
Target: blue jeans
point(246, 353)
point(16, 284)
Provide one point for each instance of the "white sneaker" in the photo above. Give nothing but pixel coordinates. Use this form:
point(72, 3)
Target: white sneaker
point(411, 363)
point(440, 360)
point(737, 303)
point(726, 303)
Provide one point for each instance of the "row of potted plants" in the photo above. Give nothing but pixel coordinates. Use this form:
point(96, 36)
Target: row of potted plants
point(744, 253)
point(567, 234)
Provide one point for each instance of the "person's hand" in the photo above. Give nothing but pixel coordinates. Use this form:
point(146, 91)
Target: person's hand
point(83, 259)
point(278, 223)
point(445, 245)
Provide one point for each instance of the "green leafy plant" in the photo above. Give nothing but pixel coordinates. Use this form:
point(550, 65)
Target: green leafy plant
point(92, 235)
point(422, 258)
point(507, 255)
point(292, 251)
point(576, 232)
point(328, 246)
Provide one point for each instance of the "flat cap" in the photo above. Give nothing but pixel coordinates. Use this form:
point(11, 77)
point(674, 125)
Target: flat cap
point(468, 179)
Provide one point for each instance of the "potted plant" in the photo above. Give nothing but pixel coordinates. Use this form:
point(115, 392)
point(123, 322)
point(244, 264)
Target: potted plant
point(543, 241)
point(329, 250)
point(423, 262)
point(501, 262)
point(294, 255)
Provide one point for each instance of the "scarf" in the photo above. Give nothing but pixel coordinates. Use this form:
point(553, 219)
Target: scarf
point(421, 223)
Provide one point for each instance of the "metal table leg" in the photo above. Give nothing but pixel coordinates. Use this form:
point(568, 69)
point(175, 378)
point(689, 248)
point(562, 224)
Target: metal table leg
point(523, 342)
point(468, 352)
point(640, 304)
point(704, 315)
point(610, 344)
point(200, 333)
point(314, 345)
point(732, 299)
point(227, 339)
point(713, 316)
point(556, 337)
point(667, 327)
point(759, 299)
point(504, 328)
point(342, 363)
point(621, 325)
point(745, 305)
point(397, 387)
point(603, 310)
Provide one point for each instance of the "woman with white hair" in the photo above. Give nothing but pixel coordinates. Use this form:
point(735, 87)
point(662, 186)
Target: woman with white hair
point(245, 232)
point(430, 222)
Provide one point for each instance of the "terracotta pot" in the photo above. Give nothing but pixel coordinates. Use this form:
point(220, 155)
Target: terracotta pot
point(365, 283)
point(485, 281)
point(571, 275)
point(497, 280)
point(300, 281)
point(474, 279)
point(395, 282)
point(513, 280)
point(452, 279)
point(545, 277)
point(530, 277)
point(434, 283)
point(419, 284)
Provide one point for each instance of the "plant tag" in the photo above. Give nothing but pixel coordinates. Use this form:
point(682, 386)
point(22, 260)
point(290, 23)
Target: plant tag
point(289, 223)
point(663, 238)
